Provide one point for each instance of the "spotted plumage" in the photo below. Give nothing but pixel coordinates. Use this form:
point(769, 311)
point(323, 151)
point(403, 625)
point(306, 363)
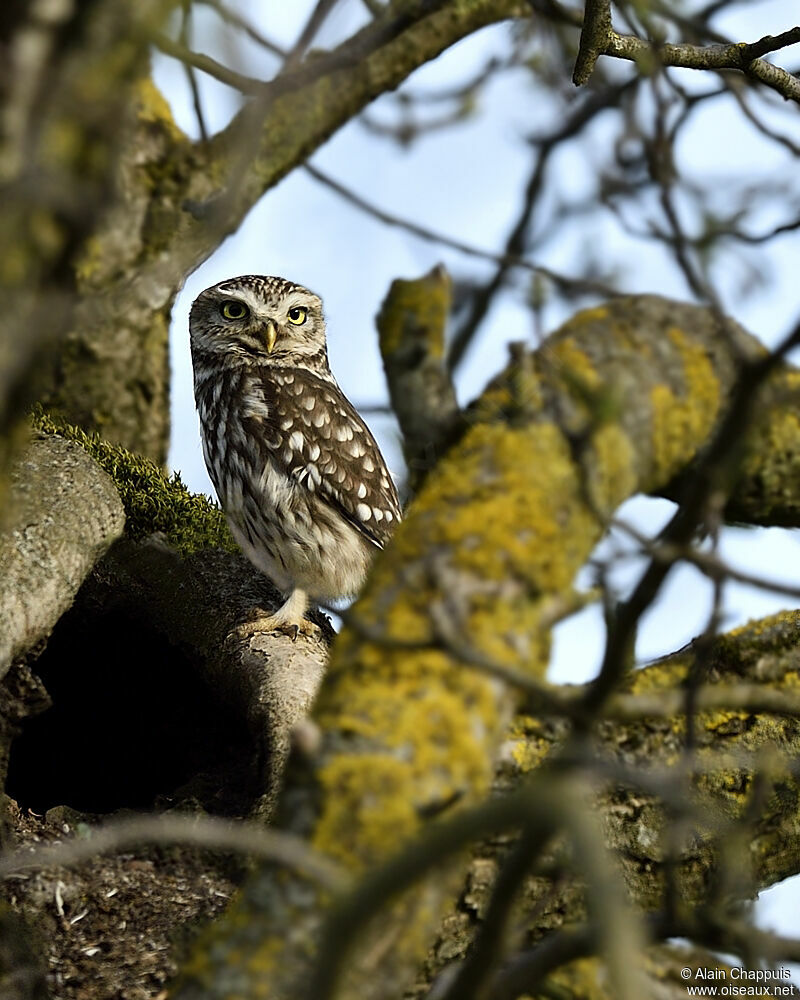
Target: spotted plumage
point(301, 480)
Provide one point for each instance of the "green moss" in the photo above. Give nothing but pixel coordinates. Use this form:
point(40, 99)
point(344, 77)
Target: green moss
point(153, 502)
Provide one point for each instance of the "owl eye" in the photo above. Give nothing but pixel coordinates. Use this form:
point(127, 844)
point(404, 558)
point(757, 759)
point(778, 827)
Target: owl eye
point(232, 309)
point(297, 315)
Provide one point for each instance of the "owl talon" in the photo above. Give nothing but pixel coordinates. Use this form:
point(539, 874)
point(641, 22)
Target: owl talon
point(270, 625)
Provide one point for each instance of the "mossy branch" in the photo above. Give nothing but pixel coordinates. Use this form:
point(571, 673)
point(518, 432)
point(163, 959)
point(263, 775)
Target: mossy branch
point(153, 502)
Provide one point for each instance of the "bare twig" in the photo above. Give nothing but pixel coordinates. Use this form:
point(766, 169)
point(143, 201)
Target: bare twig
point(186, 18)
point(546, 145)
point(318, 14)
point(230, 16)
point(431, 236)
point(595, 38)
point(485, 952)
point(709, 57)
point(246, 84)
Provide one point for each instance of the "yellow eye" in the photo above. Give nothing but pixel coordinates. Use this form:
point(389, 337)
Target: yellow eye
point(298, 315)
point(233, 309)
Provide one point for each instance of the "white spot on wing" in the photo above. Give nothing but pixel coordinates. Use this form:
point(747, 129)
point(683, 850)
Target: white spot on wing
point(363, 511)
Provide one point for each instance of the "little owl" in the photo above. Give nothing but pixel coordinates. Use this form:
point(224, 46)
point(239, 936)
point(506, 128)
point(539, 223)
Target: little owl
point(302, 482)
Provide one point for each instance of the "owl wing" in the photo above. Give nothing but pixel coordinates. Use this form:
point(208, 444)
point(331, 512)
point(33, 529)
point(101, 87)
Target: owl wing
point(316, 435)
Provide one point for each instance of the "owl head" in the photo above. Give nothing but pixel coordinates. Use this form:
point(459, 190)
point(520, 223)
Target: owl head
point(259, 317)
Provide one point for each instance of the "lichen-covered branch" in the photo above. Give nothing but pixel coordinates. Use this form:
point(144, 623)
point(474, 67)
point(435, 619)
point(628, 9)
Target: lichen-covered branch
point(411, 325)
point(618, 401)
point(220, 182)
point(646, 785)
point(129, 245)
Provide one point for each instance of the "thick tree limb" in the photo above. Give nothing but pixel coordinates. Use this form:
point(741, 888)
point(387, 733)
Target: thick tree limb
point(300, 111)
point(64, 513)
point(141, 250)
point(617, 401)
point(69, 90)
point(411, 325)
point(177, 580)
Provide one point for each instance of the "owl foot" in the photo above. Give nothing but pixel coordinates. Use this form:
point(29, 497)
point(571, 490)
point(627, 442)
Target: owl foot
point(289, 618)
point(292, 629)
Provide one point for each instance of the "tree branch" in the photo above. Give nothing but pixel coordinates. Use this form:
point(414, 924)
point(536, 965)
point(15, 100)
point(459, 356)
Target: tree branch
point(595, 37)
point(64, 514)
point(710, 57)
point(411, 324)
point(498, 530)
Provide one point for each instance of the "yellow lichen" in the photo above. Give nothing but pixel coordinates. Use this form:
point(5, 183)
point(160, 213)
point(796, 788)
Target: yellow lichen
point(682, 422)
point(507, 507)
point(367, 811)
point(423, 728)
point(152, 107)
point(573, 361)
point(416, 310)
point(613, 470)
point(593, 315)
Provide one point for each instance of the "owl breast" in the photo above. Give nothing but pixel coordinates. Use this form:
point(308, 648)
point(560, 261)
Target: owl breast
point(258, 448)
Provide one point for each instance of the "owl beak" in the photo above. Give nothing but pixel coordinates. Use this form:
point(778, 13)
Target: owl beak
point(270, 335)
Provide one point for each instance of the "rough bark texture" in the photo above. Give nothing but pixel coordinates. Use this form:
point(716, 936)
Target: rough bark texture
point(112, 370)
point(267, 680)
point(161, 630)
point(763, 653)
point(408, 723)
point(64, 512)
